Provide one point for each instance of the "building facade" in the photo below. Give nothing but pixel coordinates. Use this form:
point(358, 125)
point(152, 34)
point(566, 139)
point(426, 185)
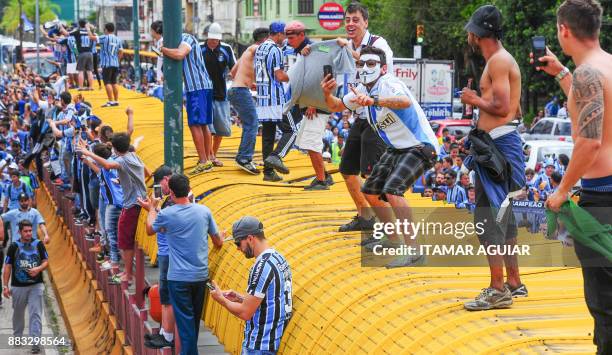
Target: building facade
point(260, 13)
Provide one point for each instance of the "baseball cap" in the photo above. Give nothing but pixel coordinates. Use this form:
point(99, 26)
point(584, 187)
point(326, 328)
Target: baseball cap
point(294, 27)
point(277, 27)
point(245, 226)
point(549, 162)
point(214, 31)
point(440, 188)
point(485, 21)
point(161, 173)
point(23, 196)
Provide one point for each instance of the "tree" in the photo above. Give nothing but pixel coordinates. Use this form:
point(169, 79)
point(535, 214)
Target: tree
point(10, 20)
point(445, 38)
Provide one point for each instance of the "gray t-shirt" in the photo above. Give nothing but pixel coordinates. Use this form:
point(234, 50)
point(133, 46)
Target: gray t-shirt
point(131, 178)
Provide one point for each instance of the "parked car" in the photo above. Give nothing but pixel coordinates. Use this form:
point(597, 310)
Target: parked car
point(455, 127)
point(550, 128)
point(543, 149)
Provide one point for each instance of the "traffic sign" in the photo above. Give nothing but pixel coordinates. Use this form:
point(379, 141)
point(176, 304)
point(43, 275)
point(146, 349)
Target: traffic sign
point(331, 16)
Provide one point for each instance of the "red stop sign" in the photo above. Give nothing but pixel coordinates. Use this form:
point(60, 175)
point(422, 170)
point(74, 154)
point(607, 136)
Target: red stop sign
point(331, 16)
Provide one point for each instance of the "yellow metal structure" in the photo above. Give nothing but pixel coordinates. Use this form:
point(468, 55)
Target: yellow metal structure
point(339, 306)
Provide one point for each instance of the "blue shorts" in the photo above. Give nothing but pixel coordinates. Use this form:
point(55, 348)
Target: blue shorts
point(164, 293)
point(199, 107)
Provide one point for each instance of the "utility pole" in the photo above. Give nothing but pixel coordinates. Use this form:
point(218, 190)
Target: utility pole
point(20, 54)
point(173, 88)
point(136, 44)
point(37, 34)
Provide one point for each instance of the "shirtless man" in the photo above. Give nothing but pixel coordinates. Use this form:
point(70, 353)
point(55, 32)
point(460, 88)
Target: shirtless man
point(500, 86)
point(589, 92)
point(239, 95)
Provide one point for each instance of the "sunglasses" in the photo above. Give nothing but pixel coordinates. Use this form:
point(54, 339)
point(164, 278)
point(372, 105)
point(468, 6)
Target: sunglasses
point(370, 63)
point(238, 240)
point(448, 177)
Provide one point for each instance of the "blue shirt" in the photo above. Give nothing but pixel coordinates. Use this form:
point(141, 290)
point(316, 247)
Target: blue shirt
point(71, 48)
point(457, 196)
point(187, 240)
point(162, 241)
point(194, 69)
point(13, 217)
point(398, 128)
point(109, 51)
point(269, 279)
point(268, 59)
point(110, 188)
point(12, 193)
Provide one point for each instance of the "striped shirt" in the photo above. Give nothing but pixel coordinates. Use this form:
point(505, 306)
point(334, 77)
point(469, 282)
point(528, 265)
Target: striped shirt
point(270, 280)
point(457, 196)
point(268, 58)
point(194, 69)
point(109, 51)
point(110, 188)
point(71, 49)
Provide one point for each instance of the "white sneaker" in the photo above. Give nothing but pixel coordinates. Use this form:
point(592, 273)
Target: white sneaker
point(106, 266)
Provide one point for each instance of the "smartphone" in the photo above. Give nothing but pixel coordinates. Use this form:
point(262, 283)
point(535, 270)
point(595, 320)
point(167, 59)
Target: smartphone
point(157, 191)
point(327, 70)
point(210, 286)
point(538, 44)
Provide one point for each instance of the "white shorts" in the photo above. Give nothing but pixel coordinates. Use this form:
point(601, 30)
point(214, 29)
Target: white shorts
point(269, 113)
point(310, 134)
point(71, 68)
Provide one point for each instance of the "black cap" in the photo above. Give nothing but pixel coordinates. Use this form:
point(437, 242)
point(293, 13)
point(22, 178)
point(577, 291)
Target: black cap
point(485, 22)
point(246, 226)
point(161, 173)
point(23, 196)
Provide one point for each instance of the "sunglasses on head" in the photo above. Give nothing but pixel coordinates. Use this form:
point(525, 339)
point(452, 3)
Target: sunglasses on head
point(371, 63)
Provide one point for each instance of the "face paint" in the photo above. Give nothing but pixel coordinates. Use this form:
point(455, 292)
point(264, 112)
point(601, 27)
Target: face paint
point(367, 74)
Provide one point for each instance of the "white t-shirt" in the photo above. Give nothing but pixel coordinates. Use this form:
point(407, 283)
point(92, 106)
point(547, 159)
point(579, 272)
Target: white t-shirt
point(398, 128)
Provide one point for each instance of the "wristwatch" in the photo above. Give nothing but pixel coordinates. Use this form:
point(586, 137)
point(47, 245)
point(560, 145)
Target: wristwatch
point(375, 97)
point(562, 74)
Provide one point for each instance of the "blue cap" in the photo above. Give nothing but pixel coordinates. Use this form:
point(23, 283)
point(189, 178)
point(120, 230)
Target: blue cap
point(549, 162)
point(441, 188)
point(277, 27)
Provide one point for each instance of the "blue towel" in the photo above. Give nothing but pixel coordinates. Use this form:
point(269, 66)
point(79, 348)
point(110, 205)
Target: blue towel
point(510, 145)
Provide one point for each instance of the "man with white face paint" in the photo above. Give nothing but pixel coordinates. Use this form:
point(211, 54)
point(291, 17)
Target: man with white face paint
point(363, 147)
point(400, 122)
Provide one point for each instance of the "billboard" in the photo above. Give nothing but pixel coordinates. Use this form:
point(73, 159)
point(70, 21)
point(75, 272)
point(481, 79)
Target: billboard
point(431, 83)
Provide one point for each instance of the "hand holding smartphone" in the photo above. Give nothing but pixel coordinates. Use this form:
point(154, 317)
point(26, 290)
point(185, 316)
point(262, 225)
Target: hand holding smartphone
point(538, 44)
point(327, 70)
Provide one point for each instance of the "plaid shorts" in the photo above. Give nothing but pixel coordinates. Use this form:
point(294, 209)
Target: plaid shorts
point(397, 170)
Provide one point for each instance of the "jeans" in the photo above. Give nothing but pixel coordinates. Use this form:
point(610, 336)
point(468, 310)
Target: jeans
point(243, 103)
point(102, 219)
point(111, 223)
point(597, 272)
point(187, 300)
point(246, 351)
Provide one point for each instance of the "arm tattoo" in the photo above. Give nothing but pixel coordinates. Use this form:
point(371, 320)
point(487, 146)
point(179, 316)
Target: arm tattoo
point(587, 88)
point(395, 102)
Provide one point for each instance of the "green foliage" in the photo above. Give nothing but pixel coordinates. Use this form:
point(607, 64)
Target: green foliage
point(11, 15)
point(445, 38)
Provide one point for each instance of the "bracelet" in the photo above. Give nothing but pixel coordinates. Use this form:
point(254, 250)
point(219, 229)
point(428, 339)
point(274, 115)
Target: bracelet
point(562, 74)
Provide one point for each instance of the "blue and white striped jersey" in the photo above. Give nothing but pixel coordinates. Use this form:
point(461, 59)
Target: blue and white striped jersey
point(269, 279)
point(110, 188)
point(71, 49)
point(399, 129)
point(109, 50)
point(457, 196)
point(268, 58)
point(194, 69)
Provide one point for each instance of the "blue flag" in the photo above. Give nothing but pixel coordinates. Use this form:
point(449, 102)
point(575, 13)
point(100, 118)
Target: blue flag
point(27, 25)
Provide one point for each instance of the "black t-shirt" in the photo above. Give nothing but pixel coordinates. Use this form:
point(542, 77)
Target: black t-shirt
point(22, 257)
point(217, 62)
point(82, 40)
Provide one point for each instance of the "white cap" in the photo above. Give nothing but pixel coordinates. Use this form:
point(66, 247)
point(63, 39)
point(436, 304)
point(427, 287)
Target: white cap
point(215, 31)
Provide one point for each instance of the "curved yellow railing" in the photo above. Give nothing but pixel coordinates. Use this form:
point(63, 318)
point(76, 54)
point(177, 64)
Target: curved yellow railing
point(340, 306)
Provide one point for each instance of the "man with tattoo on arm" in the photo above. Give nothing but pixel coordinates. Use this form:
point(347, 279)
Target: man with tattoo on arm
point(589, 92)
point(400, 122)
